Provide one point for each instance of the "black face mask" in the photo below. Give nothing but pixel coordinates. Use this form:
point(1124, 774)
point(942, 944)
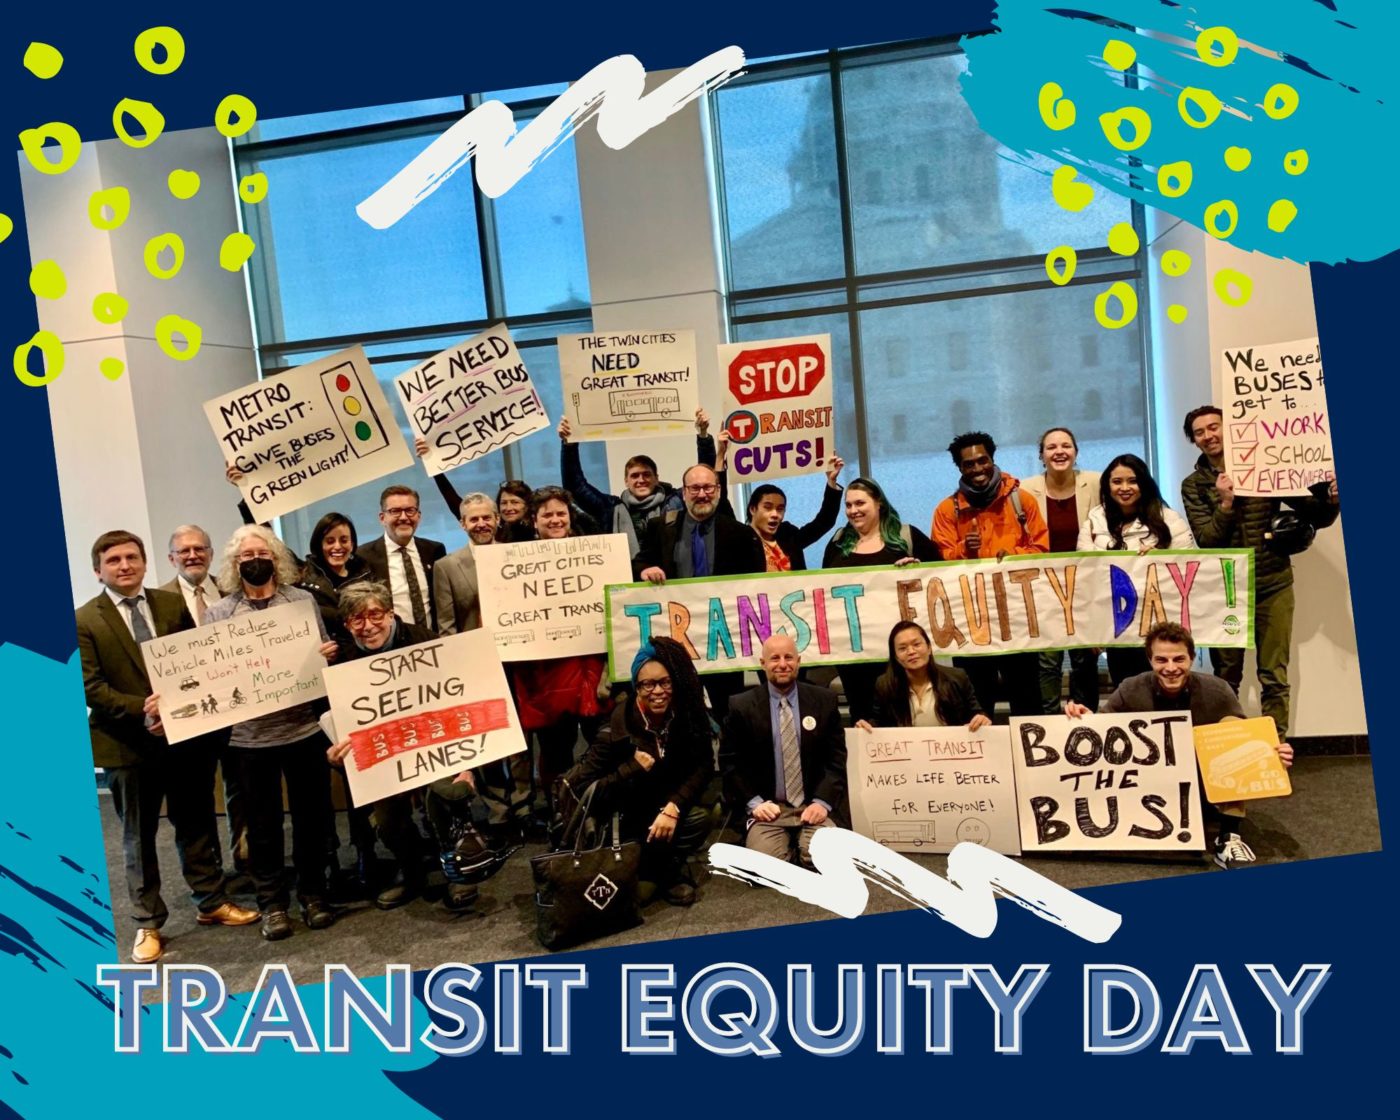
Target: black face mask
point(257, 572)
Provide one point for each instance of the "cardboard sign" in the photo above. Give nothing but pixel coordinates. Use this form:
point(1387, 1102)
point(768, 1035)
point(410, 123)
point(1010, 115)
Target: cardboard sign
point(226, 672)
point(422, 712)
point(1239, 760)
point(1107, 783)
point(624, 385)
point(307, 434)
point(777, 406)
point(545, 598)
point(1278, 439)
point(925, 789)
point(470, 400)
point(843, 615)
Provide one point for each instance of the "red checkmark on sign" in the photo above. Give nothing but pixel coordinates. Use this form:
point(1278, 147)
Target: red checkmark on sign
point(1245, 454)
point(1245, 479)
point(1244, 433)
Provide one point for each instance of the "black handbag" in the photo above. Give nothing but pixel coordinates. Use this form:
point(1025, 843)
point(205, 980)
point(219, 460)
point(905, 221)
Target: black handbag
point(581, 893)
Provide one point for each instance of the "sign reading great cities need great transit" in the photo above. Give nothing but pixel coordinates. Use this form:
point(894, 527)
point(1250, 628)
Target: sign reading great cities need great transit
point(307, 434)
point(843, 615)
point(777, 406)
point(1277, 436)
point(624, 384)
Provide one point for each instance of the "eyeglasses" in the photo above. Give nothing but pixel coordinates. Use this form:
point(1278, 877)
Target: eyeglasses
point(699, 490)
point(193, 550)
point(261, 554)
point(661, 684)
point(367, 618)
point(403, 511)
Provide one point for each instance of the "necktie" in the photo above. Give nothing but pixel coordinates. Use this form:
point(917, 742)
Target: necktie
point(792, 757)
point(199, 605)
point(139, 628)
point(699, 558)
point(415, 593)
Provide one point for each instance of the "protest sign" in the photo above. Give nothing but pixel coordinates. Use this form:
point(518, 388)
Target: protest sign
point(1277, 436)
point(470, 400)
point(924, 789)
point(624, 385)
point(1239, 760)
point(777, 406)
point(307, 434)
point(422, 712)
point(1107, 783)
point(545, 598)
point(230, 671)
point(843, 615)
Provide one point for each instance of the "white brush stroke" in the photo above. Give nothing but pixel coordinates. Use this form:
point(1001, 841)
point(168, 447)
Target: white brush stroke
point(613, 90)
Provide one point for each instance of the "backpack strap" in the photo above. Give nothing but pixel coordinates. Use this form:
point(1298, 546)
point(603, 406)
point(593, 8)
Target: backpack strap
point(907, 536)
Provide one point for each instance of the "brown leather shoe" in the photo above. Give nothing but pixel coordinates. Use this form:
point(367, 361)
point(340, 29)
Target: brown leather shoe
point(148, 947)
point(228, 914)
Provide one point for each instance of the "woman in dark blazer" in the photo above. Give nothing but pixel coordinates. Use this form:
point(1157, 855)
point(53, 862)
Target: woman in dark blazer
point(915, 691)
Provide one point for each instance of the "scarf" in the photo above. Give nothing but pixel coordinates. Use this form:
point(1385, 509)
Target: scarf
point(981, 497)
point(631, 514)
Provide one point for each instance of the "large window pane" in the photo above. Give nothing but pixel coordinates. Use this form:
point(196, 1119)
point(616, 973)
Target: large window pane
point(277, 128)
point(538, 453)
point(540, 230)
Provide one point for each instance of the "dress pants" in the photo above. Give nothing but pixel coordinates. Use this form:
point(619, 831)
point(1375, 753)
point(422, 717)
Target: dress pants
point(1273, 635)
point(774, 838)
point(858, 683)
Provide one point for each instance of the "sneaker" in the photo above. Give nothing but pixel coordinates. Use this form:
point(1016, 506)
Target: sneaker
point(1231, 851)
point(276, 925)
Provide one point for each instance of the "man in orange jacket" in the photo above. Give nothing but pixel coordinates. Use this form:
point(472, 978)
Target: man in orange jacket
point(990, 516)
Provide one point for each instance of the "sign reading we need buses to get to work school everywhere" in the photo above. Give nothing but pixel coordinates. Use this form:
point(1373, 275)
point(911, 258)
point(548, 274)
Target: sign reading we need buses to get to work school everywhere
point(624, 384)
point(777, 406)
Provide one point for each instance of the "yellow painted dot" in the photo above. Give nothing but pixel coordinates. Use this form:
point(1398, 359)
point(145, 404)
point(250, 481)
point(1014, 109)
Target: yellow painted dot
point(171, 45)
point(1068, 194)
point(352, 406)
point(1174, 179)
point(183, 184)
point(235, 115)
point(1176, 263)
point(1222, 209)
point(1237, 159)
point(46, 280)
point(42, 60)
point(1296, 161)
point(109, 208)
point(7, 227)
point(1233, 287)
point(1221, 38)
point(159, 244)
point(1056, 110)
point(109, 307)
point(1176, 313)
point(1118, 54)
point(253, 188)
point(1123, 239)
point(1202, 100)
point(151, 120)
point(1112, 125)
point(235, 251)
point(51, 349)
point(70, 147)
point(169, 326)
point(1127, 301)
point(1060, 264)
point(1281, 215)
point(1280, 100)
point(111, 368)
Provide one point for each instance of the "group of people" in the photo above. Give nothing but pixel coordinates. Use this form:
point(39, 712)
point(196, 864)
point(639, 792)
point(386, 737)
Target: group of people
point(649, 743)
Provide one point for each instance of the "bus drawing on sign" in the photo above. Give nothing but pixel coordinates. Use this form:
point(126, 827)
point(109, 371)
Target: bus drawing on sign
point(917, 833)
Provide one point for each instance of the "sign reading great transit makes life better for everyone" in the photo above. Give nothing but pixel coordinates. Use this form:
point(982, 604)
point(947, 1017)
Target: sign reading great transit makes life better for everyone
point(924, 789)
point(624, 384)
point(308, 434)
point(777, 406)
point(842, 615)
point(422, 712)
point(1277, 436)
point(226, 672)
point(470, 400)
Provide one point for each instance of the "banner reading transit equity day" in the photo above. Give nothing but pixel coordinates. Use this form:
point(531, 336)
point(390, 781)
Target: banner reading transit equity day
point(844, 615)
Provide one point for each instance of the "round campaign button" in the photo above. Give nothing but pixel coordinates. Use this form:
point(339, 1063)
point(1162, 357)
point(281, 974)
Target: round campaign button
point(808, 723)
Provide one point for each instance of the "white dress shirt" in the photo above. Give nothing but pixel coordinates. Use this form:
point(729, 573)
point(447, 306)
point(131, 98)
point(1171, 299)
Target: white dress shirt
point(143, 606)
point(398, 583)
point(211, 594)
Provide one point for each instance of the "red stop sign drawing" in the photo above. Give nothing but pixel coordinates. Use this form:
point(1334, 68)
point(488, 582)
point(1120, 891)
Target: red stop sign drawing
point(774, 372)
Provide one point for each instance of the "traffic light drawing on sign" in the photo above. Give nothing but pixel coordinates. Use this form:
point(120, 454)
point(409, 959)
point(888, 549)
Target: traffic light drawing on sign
point(360, 424)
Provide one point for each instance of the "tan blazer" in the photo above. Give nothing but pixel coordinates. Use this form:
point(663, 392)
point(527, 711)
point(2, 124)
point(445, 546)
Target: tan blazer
point(1086, 493)
point(455, 592)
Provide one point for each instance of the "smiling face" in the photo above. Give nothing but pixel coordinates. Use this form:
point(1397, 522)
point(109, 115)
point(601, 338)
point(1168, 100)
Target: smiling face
point(552, 520)
point(1171, 665)
point(640, 480)
point(768, 515)
point(912, 651)
point(122, 568)
point(862, 511)
point(1207, 435)
point(190, 554)
point(1123, 488)
point(654, 688)
point(701, 493)
point(479, 520)
point(372, 625)
point(337, 547)
point(975, 463)
point(780, 660)
point(1058, 452)
point(400, 517)
point(512, 508)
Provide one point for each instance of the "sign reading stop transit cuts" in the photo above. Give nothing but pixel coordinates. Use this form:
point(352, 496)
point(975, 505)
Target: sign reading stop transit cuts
point(778, 407)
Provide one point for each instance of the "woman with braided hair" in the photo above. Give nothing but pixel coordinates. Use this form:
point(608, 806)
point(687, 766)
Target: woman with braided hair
point(651, 763)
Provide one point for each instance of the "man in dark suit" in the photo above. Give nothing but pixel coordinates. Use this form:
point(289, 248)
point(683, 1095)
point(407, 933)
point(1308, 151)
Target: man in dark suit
point(783, 754)
point(129, 743)
point(698, 542)
point(403, 561)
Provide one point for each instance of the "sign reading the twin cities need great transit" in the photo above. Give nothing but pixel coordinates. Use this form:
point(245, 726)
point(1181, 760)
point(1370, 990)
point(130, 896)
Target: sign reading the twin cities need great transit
point(217, 675)
point(309, 433)
point(1239, 760)
point(1058, 601)
point(1277, 436)
point(422, 712)
point(924, 789)
point(1107, 783)
point(777, 406)
point(545, 598)
point(628, 384)
point(470, 400)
